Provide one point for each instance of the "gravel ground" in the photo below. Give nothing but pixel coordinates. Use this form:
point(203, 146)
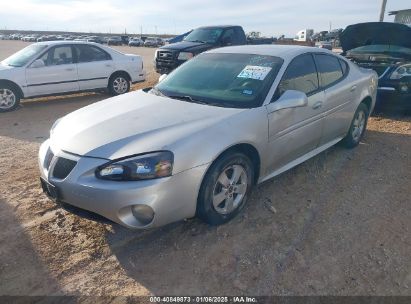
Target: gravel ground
point(339, 224)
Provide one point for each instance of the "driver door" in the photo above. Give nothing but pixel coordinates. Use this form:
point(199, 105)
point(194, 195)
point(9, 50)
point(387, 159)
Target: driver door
point(57, 75)
point(294, 132)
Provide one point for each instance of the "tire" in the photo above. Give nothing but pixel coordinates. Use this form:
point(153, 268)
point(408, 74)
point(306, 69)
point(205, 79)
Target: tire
point(119, 84)
point(357, 127)
point(9, 98)
point(216, 192)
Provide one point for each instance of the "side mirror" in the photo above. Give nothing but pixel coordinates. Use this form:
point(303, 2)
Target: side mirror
point(289, 99)
point(38, 64)
point(162, 77)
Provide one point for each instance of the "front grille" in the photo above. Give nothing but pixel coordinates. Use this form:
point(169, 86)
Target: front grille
point(49, 158)
point(165, 56)
point(63, 167)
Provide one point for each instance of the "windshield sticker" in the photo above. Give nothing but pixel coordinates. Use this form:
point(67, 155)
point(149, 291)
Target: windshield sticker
point(254, 72)
point(248, 92)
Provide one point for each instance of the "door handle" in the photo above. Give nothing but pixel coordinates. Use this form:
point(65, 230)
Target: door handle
point(353, 88)
point(108, 65)
point(70, 69)
point(317, 105)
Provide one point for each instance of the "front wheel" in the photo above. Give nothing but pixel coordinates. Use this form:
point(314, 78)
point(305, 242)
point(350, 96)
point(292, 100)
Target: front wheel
point(9, 98)
point(225, 188)
point(357, 128)
point(118, 84)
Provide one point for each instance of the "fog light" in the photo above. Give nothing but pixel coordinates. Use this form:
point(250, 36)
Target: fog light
point(143, 213)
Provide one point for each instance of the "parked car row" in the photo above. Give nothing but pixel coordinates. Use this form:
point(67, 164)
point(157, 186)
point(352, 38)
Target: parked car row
point(110, 40)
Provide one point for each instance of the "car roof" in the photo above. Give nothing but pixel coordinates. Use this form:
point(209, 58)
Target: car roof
point(218, 26)
point(283, 51)
point(65, 42)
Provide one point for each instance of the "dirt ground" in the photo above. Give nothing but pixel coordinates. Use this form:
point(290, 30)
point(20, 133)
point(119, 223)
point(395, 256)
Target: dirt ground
point(338, 224)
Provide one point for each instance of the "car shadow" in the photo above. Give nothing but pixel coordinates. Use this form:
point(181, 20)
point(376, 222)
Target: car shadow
point(22, 270)
point(297, 235)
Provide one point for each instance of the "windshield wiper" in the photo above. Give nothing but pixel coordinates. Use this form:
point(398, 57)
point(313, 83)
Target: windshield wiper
point(199, 41)
point(191, 99)
point(186, 98)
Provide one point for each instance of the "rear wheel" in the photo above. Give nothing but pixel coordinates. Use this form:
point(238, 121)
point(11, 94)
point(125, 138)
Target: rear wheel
point(9, 98)
point(225, 188)
point(357, 128)
point(119, 84)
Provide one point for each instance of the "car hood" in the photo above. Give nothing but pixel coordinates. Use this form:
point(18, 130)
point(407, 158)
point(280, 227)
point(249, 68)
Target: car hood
point(186, 45)
point(132, 123)
point(370, 33)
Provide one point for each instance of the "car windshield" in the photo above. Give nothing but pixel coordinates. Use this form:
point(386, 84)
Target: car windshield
point(23, 56)
point(382, 48)
point(208, 35)
point(226, 80)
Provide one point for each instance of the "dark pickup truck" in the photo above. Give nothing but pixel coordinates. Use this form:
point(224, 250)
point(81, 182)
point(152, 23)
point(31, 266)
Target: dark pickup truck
point(170, 56)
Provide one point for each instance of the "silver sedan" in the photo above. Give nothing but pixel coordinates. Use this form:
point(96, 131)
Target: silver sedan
point(197, 142)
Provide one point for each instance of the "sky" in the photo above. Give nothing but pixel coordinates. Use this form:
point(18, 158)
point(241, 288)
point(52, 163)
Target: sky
point(270, 17)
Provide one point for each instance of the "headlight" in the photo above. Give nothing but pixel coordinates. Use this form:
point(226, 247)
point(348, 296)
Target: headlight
point(185, 56)
point(401, 71)
point(155, 54)
point(147, 166)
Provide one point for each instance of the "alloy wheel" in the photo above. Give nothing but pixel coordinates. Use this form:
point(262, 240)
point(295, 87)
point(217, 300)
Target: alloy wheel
point(358, 126)
point(7, 99)
point(120, 85)
point(230, 189)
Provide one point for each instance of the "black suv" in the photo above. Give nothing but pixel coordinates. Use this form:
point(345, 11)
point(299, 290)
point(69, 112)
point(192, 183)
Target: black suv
point(386, 48)
point(170, 56)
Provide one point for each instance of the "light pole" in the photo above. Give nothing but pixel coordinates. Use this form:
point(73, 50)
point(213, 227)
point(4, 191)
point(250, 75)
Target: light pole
point(382, 11)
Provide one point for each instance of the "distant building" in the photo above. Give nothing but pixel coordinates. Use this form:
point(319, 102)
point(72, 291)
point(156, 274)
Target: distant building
point(402, 16)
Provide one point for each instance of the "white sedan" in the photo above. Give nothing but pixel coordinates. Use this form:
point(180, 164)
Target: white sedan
point(59, 67)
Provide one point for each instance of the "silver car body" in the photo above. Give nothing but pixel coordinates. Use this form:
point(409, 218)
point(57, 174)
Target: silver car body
point(139, 122)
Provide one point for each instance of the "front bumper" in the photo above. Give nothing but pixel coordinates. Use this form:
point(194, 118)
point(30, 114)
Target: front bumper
point(164, 67)
point(172, 199)
point(393, 95)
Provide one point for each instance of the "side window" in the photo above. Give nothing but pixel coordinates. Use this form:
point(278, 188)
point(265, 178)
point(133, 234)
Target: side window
point(329, 69)
point(228, 37)
point(238, 36)
point(87, 53)
point(344, 66)
point(301, 75)
point(58, 55)
point(45, 57)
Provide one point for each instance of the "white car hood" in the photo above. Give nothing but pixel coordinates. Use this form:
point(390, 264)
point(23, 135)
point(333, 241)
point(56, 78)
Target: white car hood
point(132, 123)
